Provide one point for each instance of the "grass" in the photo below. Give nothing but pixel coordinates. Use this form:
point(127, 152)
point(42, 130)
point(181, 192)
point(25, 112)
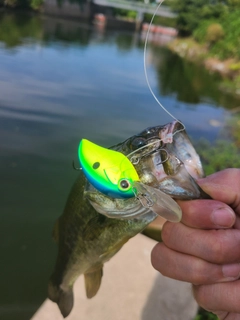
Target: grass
point(221, 155)
point(205, 315)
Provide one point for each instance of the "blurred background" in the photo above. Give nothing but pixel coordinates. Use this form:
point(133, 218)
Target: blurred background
point(68, 73)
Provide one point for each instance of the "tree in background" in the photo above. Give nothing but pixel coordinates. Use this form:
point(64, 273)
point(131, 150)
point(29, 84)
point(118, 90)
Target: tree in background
point(213, 23)
point(191, 13)
point(34, 4)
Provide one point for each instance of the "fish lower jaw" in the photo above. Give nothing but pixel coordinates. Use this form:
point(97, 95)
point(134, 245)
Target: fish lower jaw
point(136, 212)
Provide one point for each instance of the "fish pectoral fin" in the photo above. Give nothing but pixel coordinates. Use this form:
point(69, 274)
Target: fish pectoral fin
point(55, 232)
point(93, 282)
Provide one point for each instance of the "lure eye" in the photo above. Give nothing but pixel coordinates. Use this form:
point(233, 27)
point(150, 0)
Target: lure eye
point(96, 165)
point(124, 185)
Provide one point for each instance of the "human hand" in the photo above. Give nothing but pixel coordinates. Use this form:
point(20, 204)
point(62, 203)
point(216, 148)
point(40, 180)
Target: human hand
point(204, 249)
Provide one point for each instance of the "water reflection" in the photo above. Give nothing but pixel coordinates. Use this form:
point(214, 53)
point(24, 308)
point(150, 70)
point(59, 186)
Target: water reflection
point(190, 82)
point(15, 29)
point(61, 81)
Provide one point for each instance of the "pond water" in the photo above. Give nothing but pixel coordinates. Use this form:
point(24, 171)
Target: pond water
point(61, 81)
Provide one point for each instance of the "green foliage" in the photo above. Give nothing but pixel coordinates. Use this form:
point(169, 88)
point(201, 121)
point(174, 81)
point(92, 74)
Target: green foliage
point(235, 66)
point(200, 32)
point(125, 13)
point(229, 46)
point(187, 81)
point(215, 22)
point(36, 4)
point(131, 14)
point(233, 3)
point(15, 29)
point(192, 12)
point(209, 31)
point(221, 155)
point(224, 153)
point(164, 21)
point(205, 315)
point(214, 33)
point(223, 34)
point(233, 127)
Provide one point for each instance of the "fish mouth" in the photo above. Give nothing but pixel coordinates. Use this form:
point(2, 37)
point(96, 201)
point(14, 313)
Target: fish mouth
point(117, 208)
point(134, 212)
point(169, 161)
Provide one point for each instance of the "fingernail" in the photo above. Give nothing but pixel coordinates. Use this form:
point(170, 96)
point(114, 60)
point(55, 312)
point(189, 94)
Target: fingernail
point(223, 217)
point(231, 271)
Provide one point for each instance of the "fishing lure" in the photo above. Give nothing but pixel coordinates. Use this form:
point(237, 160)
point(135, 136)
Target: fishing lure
point(157, 201)
point(109, 171)
point(113, 174)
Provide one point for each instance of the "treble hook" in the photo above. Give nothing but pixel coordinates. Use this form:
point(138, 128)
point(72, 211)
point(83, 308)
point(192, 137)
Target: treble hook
point(78, 169)
point(164, 157)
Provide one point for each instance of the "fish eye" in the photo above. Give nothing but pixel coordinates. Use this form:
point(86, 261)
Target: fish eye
point(124, 185)
point(96, 165)
point(138, 143)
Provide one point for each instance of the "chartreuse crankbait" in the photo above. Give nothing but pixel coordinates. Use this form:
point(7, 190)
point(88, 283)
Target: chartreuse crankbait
point(113, 174)
point(109, 171)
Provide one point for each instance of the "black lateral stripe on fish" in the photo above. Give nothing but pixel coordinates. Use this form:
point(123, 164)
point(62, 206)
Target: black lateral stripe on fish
point(87, 239)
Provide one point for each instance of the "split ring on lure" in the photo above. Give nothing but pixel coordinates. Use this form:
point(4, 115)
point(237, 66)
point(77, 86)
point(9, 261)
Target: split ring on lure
point(109, 171)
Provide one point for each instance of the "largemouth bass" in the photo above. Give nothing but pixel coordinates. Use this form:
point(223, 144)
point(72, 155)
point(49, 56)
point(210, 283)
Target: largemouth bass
point(165, 160)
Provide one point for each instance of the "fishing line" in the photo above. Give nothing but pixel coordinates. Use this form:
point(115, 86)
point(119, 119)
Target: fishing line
point(145, 70)
point(136, 159)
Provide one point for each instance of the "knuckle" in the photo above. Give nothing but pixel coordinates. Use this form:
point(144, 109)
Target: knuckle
point(222, 250)
point(202, 273)
point(216, 251)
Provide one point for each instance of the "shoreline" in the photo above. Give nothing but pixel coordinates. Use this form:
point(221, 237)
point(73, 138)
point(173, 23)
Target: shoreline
point(229, 69)
point(186, 48)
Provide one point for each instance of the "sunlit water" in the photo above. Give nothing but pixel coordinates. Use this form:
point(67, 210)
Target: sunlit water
point(61, 82)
